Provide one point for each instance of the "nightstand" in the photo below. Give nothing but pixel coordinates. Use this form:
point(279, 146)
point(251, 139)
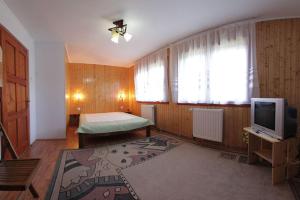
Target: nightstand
point(74, 120)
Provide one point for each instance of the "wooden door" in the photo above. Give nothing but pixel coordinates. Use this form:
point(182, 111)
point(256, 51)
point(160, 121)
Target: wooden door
point(15, 102)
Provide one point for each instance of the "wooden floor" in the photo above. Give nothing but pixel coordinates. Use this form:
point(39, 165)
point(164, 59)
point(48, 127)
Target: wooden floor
point(49, 150)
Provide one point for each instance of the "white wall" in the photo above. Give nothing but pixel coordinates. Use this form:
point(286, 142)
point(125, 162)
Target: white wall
point(50, 90)
point(10, 21)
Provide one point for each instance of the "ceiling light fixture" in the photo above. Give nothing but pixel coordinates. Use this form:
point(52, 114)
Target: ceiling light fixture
point(119, 30)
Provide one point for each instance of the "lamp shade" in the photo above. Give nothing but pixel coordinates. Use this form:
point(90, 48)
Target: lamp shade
point(115, 36)
point(127, 37)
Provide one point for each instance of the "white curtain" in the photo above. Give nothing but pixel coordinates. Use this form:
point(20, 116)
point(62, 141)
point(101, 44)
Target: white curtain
point(150, 78)
point(216, 66)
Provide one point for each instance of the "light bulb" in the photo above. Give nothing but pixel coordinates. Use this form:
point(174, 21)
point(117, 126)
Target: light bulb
point(78, 96)
point(127, 37)
point(115, 37)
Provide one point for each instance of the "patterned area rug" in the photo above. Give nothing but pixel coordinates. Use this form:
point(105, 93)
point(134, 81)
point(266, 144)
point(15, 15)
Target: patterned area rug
point(96, 173)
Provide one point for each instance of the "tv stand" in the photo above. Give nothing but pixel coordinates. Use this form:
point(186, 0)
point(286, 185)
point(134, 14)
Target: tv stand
point(281, 154)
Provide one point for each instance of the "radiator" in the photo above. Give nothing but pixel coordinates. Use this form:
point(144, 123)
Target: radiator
point(148, 112)
point(208, 124)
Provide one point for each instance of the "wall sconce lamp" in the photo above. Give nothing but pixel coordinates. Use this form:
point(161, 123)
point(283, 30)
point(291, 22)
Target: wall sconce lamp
point(120, 30)
point(78, 97)
point(121, 97)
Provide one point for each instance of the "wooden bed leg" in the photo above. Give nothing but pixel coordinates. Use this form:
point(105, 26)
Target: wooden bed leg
point(148, 131)
point(80, 140)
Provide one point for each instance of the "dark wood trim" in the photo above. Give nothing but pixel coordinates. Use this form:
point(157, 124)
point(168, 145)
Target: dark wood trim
point(215, 105)
point(74, 120)
point(148, 131)
point(83, 136)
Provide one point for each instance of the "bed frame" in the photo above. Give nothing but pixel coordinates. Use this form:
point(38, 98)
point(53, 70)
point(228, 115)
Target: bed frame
point(83, 136)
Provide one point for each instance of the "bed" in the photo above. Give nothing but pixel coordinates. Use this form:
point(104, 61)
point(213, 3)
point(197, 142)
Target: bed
point(105, 124)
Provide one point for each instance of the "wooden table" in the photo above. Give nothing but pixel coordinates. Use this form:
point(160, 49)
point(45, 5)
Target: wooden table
point(281, 154)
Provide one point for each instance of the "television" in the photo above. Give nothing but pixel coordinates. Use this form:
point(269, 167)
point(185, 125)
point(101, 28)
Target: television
point(273, 117)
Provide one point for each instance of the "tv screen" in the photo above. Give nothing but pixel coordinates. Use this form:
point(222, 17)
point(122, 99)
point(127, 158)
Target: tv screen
point(264, 114)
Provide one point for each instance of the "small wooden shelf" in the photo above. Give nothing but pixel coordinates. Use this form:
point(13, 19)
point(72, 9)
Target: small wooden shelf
point(261, 135)
point(281, 154)
point(265, 154)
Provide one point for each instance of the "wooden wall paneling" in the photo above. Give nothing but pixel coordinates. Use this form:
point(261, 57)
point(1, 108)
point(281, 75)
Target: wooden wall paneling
point(188, 122)
point(100, 88)
point(108, 90)
point(236, 126)
point(168, 123)
point(99, 85)
point(73, 84)
point(175, 119)
point(283, 31)
point(88, 88)
point(81, 79)
point(131, 97)
point(239, 121)
point(296, 60)
point(130, 89)
point(115, 82)
point(278, 59)
point(124, 88)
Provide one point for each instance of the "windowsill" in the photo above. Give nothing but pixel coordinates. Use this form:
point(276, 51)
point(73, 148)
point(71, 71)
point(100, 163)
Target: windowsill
point(198, 104)
point(215, 105)
point(153, 102)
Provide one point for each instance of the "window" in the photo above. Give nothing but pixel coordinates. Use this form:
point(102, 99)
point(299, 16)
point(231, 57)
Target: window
point(215, 67)
point(151, 78)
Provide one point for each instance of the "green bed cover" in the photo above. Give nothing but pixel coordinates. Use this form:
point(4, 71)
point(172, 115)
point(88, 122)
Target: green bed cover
point(110, 122)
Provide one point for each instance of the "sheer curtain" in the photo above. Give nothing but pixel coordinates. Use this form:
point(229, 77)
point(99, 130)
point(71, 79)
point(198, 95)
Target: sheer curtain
point(150, 78)
point(215, 66)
